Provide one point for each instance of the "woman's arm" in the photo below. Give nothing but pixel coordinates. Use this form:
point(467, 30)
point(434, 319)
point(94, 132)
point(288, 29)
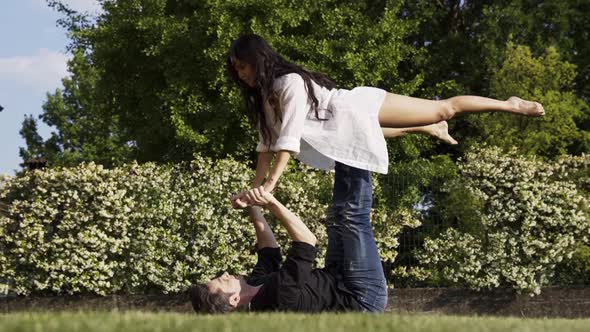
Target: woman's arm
point(279, 165)
point(262, 167)
point(294, 104)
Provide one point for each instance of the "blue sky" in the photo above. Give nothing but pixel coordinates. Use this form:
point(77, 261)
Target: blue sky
point(32, 63)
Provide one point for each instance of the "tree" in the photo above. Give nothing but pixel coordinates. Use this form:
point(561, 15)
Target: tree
point(150, 82)
point(464, 42)
point(33, 140)
point(548, 80)
point(85, 131)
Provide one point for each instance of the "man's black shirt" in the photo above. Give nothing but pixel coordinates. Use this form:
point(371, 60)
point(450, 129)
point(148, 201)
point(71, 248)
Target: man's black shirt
point(296, 286)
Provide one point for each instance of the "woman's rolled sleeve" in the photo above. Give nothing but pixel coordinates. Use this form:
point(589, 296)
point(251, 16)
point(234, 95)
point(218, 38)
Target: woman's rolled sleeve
point(288, 143)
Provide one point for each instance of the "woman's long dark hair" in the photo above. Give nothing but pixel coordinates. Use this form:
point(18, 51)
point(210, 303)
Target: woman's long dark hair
point(269, 65)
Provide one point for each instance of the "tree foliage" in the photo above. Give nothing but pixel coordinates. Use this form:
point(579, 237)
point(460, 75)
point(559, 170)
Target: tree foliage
point(148, 81)
point(548, 80)
point(464, 42)
point(465, 39)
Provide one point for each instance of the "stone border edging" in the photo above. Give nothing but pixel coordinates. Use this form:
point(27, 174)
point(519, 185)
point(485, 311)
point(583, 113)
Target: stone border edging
point(554, 302)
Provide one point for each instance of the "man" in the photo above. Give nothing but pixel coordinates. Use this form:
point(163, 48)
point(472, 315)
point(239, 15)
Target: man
point(352, 279)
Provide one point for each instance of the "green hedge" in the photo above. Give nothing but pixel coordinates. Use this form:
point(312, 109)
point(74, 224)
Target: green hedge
point(514, 219)
point(147, 228)
point(130, 229)
point(151, 228)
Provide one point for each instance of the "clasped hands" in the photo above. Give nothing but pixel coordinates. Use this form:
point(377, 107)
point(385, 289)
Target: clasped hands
point(254, 197)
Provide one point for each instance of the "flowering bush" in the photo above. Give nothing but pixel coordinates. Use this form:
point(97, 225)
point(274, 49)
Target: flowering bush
point(134, 228)
point(532, 215)
point(148, 228)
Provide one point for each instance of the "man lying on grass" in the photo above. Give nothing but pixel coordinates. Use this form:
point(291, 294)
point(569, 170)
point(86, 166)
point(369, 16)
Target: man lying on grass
point(352, 279)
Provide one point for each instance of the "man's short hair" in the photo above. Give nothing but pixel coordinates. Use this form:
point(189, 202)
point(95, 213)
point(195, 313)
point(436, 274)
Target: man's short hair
point(206, 302)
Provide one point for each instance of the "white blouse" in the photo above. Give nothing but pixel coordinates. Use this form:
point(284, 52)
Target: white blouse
point(351, 134)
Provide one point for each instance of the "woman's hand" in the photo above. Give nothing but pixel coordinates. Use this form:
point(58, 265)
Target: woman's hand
point(254, 197)
point(264, 159)
point(239, 201)
point(259, 197)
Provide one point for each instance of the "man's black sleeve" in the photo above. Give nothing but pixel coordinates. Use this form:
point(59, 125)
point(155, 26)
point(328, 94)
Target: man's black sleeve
point(294, 275)
point(269, 261)
point(296, 269)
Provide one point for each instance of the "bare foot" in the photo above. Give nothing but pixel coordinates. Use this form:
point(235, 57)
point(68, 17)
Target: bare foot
point(525, 107)
point(440, 130)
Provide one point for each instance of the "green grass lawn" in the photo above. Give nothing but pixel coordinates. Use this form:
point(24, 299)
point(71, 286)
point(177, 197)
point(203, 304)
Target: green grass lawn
point(139, 321)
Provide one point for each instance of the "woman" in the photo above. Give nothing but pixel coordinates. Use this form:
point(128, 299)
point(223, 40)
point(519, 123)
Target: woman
point(302, 113)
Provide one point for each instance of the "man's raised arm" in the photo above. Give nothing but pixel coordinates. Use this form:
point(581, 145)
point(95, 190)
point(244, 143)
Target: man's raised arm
point(264, 235)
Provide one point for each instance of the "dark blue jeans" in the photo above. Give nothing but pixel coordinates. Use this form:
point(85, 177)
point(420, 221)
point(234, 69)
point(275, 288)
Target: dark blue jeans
point(352, 250)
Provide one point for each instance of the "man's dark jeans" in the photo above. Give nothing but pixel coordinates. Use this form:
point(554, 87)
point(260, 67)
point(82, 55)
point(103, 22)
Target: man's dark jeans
point(352, 250)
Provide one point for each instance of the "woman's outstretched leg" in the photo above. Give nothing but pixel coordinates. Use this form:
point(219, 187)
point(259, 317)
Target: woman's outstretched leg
point(438, 130)
point(399, 111)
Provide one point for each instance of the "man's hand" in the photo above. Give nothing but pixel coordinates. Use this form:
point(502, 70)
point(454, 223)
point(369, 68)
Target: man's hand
point(259, 197)
point(253, 197)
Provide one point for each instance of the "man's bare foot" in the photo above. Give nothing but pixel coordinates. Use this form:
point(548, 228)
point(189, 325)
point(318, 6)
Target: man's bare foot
point(440, 130)
point(525, 107)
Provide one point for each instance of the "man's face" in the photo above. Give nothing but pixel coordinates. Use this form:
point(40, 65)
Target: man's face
point(226, 283)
